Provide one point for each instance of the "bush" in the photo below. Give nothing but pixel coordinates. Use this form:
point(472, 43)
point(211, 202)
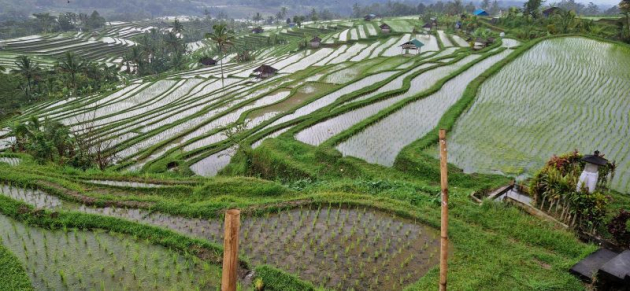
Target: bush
point(619, 227)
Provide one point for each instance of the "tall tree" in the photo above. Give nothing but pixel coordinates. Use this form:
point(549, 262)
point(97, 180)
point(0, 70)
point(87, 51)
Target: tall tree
point(624, 9)
point(29, 69)
point(224, 39)
point(313, 15)
point(283, 11)
point(71, 65)
point(177, 26)
point(257, 17)
point(532, 8)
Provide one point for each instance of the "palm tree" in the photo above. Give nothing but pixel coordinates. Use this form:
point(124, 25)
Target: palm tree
point(283, 11)
point(223, 38)
point(72, 65)
point(178, 27)
point(29, 69)
point(624, 8)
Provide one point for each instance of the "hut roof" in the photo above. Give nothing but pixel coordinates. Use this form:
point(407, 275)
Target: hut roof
point(316, 39)
point(258, 30)
point(385, 26)
point(481, 12)
point(427, 25)
point(414, 42)
point(207, 61)
point(265, 69)
point(596, 159)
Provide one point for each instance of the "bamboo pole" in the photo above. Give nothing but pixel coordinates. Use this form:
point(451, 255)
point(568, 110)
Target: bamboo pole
point(230, 250)
point(444, 226)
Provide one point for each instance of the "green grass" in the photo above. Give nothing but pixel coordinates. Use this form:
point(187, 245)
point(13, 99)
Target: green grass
point(12, 274)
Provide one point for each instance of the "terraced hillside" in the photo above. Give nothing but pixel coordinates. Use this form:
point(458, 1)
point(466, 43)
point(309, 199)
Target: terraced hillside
point(103, 46)
point(184, 118)
point(329, 160)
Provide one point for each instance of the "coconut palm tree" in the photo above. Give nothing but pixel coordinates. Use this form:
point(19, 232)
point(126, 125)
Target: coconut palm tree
point(29, 69)
point(178, 27)
point(72, 65)
point(223, 38)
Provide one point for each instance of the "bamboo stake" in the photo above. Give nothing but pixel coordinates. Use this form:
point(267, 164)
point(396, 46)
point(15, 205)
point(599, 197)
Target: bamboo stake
point(444, 226)
point(230, 250)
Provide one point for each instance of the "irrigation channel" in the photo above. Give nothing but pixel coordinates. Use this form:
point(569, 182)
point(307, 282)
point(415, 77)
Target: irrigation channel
point(333, 246)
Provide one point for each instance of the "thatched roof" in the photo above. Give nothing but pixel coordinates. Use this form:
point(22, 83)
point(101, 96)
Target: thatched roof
point(265, 69)
point(316, 39)
point(414, 42)
point(385, 26)
point(207, 61)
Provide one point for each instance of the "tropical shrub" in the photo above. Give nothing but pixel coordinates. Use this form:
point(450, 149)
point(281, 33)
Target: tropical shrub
point(619, 227)
point(554, 189)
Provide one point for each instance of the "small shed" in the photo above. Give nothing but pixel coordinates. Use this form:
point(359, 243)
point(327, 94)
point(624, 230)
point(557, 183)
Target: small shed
point(265, 71)
point(413, 44)
point(385, 28)
point(551, 11)
point(369, 17)
point(427, 26)
point(481, 12)
point(258, 30)
point(207, 61)
point(315, 42)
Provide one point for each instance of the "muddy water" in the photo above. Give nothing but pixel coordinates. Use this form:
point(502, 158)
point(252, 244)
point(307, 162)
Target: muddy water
point(336, 247)
point(85, 260)
point(126, 184)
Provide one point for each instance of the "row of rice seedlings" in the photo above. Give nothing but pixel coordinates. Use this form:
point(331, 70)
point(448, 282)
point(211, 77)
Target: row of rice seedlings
point(400, 25)
point(392, 41)
point(185, 122)
point(445, 41)
point(460, 41)
point(234, 116)
point(332, 97)
point(210, 166)
point(381, 142)
point(101, 115)
point(309, 60)
point(211, 125)
point(430, 42)
point(71, 259)
point(582, 112)
point(306, 241)
point(10, 161)
point(319, 133)
point(353, 245)
point(343, 36)
point(351, 52)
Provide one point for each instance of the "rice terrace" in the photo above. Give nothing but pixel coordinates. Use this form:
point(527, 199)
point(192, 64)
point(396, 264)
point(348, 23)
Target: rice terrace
point(199, 145)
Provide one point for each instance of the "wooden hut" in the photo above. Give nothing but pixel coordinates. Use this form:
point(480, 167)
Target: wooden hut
point(207, 61)
point(385, 28)
point(427, 26)
point(265, 71)
point(315, 42)
point(258, 30)
point(369, 17)
point(413, 44)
